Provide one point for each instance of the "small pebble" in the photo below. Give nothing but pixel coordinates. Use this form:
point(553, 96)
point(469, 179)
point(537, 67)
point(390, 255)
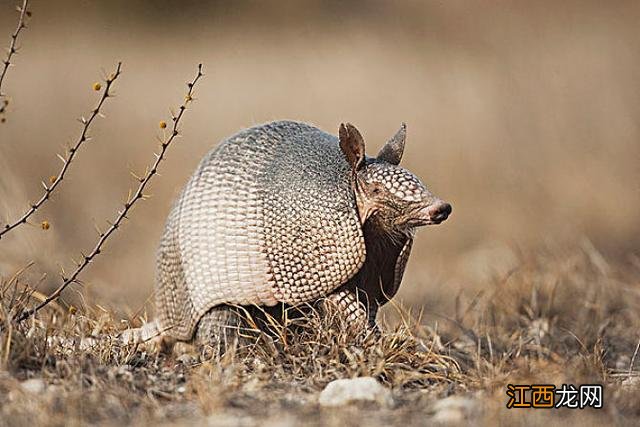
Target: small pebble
point(33, 386)
point(345, 391)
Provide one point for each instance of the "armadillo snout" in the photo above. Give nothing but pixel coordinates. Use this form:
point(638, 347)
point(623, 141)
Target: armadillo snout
point(439, 211)
point(434, 213)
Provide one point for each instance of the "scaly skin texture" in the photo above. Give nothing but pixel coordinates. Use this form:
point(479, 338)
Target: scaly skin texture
point(267, 217)
point(283, 214)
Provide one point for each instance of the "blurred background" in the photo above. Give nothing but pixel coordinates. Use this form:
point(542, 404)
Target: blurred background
point(523, 115)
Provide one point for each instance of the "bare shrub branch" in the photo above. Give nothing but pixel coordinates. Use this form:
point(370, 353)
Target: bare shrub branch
point(13, 49)
point(131, 200)
point(55, 180)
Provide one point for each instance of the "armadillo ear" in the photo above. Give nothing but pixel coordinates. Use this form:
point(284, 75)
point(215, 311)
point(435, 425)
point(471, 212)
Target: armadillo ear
point(393, 149)
point(352, 145)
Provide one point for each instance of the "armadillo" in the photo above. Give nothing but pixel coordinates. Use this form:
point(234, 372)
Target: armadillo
point(285, 213)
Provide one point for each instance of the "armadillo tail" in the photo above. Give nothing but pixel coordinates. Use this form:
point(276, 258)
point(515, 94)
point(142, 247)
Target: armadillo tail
point(140, 335)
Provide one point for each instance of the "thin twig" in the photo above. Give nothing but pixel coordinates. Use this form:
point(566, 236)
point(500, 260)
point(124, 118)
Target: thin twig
point(66, 161)
point(12, 50)
point(633, 359)
point(131, 200)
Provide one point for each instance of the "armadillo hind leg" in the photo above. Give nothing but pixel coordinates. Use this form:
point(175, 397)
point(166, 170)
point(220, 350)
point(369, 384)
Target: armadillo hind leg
point(221, 328)
point(355, 305)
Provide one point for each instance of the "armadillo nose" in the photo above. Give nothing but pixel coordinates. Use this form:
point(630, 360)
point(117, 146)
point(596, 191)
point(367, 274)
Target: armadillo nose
point(439, 211)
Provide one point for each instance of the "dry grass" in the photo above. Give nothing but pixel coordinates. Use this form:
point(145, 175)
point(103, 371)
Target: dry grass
point(557, 317)
point(522, 115)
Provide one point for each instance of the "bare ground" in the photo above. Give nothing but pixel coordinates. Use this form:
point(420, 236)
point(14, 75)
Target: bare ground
point(556, 318)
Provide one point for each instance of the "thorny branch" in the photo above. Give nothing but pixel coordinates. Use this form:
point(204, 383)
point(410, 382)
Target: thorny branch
point(66, 161)
point(131, 200)
point(12, 50)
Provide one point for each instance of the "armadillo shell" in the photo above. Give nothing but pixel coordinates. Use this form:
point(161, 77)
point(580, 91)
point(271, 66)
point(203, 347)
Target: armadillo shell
point(268, 216)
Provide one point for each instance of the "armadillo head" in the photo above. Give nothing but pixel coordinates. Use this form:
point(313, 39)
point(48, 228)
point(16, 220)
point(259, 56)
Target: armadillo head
point(387, 194)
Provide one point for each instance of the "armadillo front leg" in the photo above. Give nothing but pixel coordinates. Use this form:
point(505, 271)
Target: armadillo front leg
point(355, 304)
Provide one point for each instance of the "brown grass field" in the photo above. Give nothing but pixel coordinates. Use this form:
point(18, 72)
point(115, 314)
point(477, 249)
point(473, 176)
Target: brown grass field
point(523, 115)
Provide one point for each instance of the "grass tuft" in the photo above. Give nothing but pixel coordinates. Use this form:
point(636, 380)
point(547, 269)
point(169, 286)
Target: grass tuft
point(556, 318)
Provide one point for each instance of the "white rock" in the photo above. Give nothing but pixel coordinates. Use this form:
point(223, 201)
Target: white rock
point(453, 409)
point(342, 392)
point(448, 416)
point(33, 386)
